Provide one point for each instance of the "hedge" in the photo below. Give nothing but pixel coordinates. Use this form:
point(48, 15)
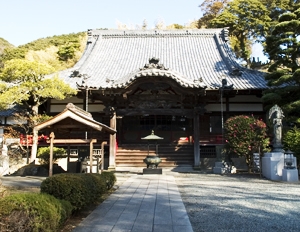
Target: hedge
point(80, 189)
point(33, 212)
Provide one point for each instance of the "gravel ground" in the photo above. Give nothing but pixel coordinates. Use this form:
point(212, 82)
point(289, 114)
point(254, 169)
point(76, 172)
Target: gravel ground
point(239, 202)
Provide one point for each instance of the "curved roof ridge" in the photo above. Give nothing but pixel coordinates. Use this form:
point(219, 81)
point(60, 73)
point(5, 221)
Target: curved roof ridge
point(227, 53)
point(91, 42)
point(153, 72)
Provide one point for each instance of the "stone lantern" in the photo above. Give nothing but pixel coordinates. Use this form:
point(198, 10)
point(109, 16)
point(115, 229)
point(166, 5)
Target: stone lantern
point(290, 171)
point(289, 160)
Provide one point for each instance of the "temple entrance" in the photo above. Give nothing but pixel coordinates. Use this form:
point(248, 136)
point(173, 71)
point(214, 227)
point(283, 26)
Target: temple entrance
point(174, 129)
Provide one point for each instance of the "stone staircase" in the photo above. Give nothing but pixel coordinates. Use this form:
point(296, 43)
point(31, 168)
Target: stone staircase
point(132, 155)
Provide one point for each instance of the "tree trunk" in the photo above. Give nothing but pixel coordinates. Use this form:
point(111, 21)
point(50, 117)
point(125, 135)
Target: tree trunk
point(34, 146)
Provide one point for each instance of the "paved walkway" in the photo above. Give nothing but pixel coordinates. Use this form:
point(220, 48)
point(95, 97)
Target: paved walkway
point(142, 203)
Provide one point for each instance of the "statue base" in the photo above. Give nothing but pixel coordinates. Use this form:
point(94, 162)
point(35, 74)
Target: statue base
point(272, 165)
point(277, 149)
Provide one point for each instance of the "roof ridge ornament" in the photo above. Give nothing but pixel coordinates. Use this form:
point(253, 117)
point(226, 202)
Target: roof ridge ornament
point(75, 73)
point(153, 64)
point(225, 34)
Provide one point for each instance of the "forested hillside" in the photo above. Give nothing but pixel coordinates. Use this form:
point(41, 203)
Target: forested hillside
point(4, 44)
point(60, 52)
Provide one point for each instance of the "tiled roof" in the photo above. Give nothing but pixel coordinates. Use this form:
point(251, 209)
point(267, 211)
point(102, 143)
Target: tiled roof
point(193, 58)
point(10, 111)
point(77, 114)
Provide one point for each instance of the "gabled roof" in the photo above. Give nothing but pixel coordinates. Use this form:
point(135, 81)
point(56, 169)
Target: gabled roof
point(198, 58)
point(77, 114)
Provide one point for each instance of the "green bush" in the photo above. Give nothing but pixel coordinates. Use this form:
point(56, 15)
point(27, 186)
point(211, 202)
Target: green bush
point(291, 141)
point(80, 189)
point(110, 179)
point(245, 135)
point(44, 154)
point(33, 212)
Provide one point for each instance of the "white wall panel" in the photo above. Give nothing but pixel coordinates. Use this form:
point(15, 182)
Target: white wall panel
point(245, 98)
point(246, 107)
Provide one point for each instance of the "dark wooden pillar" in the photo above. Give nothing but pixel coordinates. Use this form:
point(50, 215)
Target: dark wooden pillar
point(196, 141)
point(112, 141)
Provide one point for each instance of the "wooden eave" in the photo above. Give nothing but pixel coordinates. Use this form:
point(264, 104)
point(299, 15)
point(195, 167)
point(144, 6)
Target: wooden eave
point(81, 121)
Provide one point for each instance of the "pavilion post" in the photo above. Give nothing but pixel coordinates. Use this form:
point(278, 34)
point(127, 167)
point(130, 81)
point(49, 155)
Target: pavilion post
point(102, 155)
point(52, 136)
point(112, 141)
point(91, 156)
point(34, 146)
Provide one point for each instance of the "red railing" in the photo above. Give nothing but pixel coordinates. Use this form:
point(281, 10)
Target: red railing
point(208, 139)
point(27, 139)
point(211, 139)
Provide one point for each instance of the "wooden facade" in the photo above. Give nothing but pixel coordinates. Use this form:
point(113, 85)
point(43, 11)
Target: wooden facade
point(180, 92)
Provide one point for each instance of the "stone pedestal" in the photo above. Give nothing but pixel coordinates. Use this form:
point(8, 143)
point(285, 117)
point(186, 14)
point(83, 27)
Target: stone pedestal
point(272, 165)
point(219, 168)
point(290, 175)
point(152, 171)
point(4, 159)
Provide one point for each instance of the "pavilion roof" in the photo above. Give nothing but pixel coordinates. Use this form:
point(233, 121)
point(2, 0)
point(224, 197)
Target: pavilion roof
point(77, 115)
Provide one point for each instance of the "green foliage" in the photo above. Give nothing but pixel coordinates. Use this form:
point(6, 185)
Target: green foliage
point(246, 20)
point(19, 70)
point(69, 46)
point(41, 44)
point(110, 179)
point(81, 189)
point(31, 87)
point(175, 26)
point(283, 46)
point(67, 51)
point(33, 212)
point(291, 140)
point(4, 44)
point(211, 9)
point(44, 154)
point(245, 135)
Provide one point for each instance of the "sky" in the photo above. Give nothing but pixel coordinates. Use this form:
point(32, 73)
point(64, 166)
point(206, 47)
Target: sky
point(23, 21)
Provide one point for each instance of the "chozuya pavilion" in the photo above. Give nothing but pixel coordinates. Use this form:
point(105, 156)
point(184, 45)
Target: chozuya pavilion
point(183, 84)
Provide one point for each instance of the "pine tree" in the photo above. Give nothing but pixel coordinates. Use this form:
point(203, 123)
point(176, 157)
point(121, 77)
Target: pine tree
point(283, 47)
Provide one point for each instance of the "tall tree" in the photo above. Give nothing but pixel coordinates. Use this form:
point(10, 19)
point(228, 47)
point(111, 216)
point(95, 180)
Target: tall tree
point(28, 85)
point(246, 21)
point(283, 47)
point(211, 9)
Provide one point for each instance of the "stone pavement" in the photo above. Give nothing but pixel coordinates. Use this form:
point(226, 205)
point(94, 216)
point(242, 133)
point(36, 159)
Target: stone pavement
point(22, 181)
point(141, 203)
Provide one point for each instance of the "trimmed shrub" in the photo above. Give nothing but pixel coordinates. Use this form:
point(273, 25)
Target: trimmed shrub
point(80, 189)
point(33, 212)
point(110, 179)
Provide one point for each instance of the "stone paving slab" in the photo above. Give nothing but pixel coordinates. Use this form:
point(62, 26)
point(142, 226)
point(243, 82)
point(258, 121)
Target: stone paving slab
point(141, 203)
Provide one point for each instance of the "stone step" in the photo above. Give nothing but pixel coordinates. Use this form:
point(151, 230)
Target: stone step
point(132, 155)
